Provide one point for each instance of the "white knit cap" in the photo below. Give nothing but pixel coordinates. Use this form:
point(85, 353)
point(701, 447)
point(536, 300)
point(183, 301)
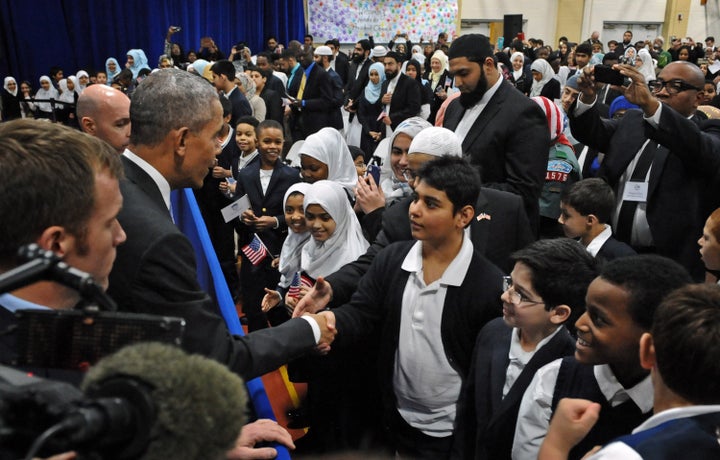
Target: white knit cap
point(436, 141)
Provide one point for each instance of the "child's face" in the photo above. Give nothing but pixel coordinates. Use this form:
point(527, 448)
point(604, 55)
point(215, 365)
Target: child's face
point(573, 223)
point(530, 314)
point(606, 332)
point(374, 77)
point(245, 137)
point(360, 166)
point(101, 78)
point(294, 215)
point(313, 169)
point(270, 144)
point(70, 85)
point(709, 248)
point(431, 214)
point(321, 225)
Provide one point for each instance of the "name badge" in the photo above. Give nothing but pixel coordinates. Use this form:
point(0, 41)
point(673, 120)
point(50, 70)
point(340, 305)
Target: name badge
point(635, 191)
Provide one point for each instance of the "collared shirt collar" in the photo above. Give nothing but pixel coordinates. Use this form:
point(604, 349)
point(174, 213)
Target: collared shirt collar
point(641, 394)
point(674, 414)
point(13, 304)
point(158, 178)
point(594, 247)
point(454, 273)
point(491, 91)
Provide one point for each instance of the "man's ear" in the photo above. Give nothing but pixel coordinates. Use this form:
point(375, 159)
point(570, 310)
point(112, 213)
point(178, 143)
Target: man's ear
point(466, 214)
point(56, 239)
point(88, 125)
point(560, 314)
point(647, 351)
point(179, 137)
point(591, 219)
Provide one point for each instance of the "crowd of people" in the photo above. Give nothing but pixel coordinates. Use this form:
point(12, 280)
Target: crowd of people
point(465, 252)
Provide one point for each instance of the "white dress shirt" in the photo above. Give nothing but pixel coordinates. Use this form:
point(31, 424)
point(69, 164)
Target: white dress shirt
point(472, 114)
point(519, 357)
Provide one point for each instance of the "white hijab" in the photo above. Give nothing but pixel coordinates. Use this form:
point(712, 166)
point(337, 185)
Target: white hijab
point(46, 94)
point(542, 66)
point(5, 85)
point(393, 188)
point(292, 247)
point(66, 95)
point(647, 69)
point(328, 146)
point(517, 73)
point(347, 242)
point(78, 87)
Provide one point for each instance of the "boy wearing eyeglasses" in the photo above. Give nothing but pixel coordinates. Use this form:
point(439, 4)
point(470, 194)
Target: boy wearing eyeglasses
point(544, 291)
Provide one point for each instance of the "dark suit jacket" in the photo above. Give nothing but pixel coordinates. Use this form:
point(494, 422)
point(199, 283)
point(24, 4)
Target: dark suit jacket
point(485, 423)
point(499, 228)
point(509, 145)
point(342, 66)
point(155, 273)
point(268, 204)
point(613, 249)
point(355, 86)
point(405, 101)
point(321, 107)
point(551, 89)
point(240, 106)
point(273, 104)
point(678, 195)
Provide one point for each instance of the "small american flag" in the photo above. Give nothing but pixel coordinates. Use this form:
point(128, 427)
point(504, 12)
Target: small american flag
point(255, 250)
point(298, 281)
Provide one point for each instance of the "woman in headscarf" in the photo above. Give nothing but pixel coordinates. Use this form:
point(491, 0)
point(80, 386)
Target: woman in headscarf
point(46, 92)
point(413, 70)
point(396, 185)
point(437, 76)
point(10, 100)
point(68, 93)
point(417, 54)
point(543, 82)
point(247, 86)
point(563, 170)
point(519, 77)
point(82, 78)
point(112, 68)
point(136, 60)
point(325, 156)
point(646, 65)
point(369, 108)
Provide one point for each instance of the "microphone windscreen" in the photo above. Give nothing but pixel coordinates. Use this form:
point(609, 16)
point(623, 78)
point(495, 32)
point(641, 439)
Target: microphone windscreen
point(200, 404)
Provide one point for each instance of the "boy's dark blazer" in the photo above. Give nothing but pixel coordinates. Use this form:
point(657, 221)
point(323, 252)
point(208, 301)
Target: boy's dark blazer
point(485, 423)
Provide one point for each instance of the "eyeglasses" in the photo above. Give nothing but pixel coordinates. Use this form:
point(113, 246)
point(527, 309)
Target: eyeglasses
point(516, 298)
point(672, 86)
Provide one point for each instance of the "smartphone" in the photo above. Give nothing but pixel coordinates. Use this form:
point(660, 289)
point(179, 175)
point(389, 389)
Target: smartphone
point(374, 171)
point(606, 74)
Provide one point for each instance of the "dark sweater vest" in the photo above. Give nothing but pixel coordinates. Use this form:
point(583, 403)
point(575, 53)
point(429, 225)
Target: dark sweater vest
point(692, 437)
point(576, 380)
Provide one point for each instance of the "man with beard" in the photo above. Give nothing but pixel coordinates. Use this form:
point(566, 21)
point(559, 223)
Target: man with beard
point(627, 41)
point(401, 94)
point(358, 74)
point(503, 133)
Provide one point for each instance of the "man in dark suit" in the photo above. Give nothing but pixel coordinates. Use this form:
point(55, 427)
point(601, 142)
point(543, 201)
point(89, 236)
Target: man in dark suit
point(59, 189)
point(543, 298)
point(401, 94)
point(155, 272)
point(340, 62)
point(503, 133)
point(661, 162)
point(316, 104)
point(223, 74)
point(357, 74)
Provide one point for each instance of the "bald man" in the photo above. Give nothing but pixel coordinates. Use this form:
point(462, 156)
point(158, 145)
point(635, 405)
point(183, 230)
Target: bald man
point(104, 112)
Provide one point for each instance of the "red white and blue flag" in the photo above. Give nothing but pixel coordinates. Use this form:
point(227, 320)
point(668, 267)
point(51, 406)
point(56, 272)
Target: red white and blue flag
point(255, 250)
point(298, 281)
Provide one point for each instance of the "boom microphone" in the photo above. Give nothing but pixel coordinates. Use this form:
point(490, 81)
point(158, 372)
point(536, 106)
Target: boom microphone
point(150, 401)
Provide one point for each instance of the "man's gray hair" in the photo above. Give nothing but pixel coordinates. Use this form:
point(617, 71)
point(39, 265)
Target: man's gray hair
point(169, 99)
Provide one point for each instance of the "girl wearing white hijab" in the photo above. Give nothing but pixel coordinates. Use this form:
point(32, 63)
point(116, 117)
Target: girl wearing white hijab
point(325, 155)
point(81, 82)
point(417, 54)
point(46, 91)
point(543, 82)
point(291, 251)
point(10, 101)
point(396, 187)
point(331, 247)
point(646, 65)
